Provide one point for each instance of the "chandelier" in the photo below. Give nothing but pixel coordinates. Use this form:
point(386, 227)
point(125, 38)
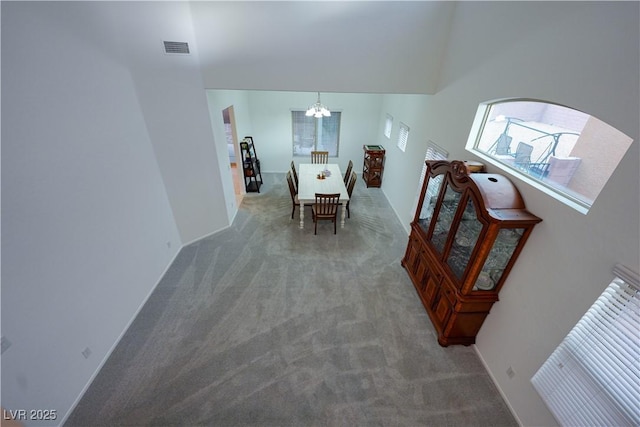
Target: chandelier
point(318, 110)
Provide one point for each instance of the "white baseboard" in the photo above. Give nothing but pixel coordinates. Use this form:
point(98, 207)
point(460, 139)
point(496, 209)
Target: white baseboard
point(504, 396)
point(115, 344)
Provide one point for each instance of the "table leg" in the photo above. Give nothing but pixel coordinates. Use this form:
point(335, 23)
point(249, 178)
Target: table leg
point(301, 215)
point(344, 214)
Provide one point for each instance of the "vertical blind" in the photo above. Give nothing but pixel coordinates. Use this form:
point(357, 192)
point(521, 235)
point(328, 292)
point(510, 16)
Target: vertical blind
point(593, 377)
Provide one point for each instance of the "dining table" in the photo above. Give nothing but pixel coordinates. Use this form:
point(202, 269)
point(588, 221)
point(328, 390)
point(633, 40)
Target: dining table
point(310, 182)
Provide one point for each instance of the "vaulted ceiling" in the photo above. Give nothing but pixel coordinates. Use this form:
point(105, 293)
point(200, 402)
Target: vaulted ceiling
point(329, 46)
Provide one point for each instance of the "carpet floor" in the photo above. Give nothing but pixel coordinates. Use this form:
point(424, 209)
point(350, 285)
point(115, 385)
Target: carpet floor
point(264, 324)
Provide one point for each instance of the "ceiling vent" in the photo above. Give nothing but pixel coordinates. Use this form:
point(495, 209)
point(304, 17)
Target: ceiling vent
point(176, 47)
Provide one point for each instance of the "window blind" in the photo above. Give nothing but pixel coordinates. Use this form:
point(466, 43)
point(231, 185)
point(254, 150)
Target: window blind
point(593, 377)
point(311, 133)
point(403, 136)
point(434, 152)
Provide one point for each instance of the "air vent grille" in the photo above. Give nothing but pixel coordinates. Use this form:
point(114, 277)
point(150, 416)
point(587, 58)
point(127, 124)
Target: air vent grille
point(176, 47)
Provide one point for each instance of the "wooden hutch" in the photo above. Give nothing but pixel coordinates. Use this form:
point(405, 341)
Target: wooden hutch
point(468, 231)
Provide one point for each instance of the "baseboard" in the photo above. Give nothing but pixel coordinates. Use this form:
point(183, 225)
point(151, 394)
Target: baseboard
point(196, 240)
point(493, 379)
point(115, 344)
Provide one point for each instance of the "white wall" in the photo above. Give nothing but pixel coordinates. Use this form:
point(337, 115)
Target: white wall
point(172, 98)
point(361, 46)
point(266, 115)
point(218, 100)
point(86, 220)
point(584, 55)
point(109, 167)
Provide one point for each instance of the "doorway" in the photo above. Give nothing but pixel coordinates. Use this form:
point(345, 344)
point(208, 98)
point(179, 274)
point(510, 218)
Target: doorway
point(233, 151)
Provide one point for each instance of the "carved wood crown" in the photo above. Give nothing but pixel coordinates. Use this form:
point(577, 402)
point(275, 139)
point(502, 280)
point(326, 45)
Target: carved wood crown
point(459, 172)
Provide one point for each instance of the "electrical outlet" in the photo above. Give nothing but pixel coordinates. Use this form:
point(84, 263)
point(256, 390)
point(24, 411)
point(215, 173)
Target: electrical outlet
point(169, 244)
point(5, 345)
point(510, 372)
point(86, 352)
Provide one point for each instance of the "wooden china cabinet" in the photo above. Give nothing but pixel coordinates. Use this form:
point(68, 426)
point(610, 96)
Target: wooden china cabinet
point(468, 230)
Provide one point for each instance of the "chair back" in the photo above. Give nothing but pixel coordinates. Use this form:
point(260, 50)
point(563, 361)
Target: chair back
point(292, 188)
point(295, 174)
point(347, 174)
point(326, 205)
point(503, 145)
point(321, 157)
point(523, 154)
point(352, 184)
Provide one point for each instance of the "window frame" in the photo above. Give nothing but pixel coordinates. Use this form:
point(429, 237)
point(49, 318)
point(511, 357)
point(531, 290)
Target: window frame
point(317, 123)
point(558, 192)
point(388, 126)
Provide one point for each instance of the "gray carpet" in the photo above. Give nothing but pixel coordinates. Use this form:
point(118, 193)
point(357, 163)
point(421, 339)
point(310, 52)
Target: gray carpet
point(264, 324)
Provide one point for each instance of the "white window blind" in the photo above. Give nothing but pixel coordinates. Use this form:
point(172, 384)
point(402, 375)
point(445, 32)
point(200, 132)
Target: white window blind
point(311, 133)
point(593, 377)
point(388, 124)
point(434, 152)
point(403, 136)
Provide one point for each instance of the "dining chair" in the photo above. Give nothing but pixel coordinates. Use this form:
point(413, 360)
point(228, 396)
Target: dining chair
point(295, 174)
point(294, 194)
point(325, 208)
point(352, 184)
point(347, 174)
point(321, 157)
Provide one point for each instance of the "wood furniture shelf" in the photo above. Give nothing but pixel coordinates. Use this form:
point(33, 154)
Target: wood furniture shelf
point(250, 165)
point(468, 231)
point(373, 165)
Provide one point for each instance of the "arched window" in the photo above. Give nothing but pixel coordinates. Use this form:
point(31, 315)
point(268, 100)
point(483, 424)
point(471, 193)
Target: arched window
point(564, 152)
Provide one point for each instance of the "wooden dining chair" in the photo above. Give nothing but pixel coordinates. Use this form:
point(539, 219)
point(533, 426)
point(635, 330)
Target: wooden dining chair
point(347, 174)
point(295, 174)
point(321, 157)
point(350, 186)
point(294, 195)
point(325, 208)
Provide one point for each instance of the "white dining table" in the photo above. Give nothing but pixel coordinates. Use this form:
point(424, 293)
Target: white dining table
point(309, 185)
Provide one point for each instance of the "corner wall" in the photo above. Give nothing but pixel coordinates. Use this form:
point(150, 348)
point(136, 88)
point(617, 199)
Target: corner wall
point(87, 228)
point(108, 167)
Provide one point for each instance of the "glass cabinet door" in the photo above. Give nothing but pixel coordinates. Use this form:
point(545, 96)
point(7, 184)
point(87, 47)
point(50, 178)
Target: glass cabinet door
point(465, 240)
point(445, 218)
point(429, 202)
point(498, 259)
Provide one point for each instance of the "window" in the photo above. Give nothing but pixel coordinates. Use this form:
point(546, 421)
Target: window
point(592, 378)
point(388, 124)
point(403, 136)
point(311, 134)
point(434, 152)
point(566, 153)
